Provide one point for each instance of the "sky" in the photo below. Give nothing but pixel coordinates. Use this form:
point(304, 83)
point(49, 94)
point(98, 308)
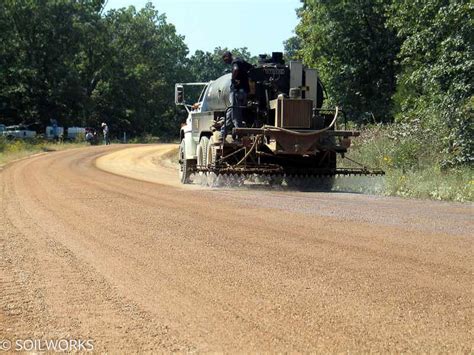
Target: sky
point(259, 25)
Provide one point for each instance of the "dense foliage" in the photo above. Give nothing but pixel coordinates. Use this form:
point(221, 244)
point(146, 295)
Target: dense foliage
point(435, 84)
point(354, 51)
point(68, 61)
point(404, 60)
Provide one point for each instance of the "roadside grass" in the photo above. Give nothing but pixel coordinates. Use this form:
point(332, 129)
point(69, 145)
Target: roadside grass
point(412, 163)
point(150, 139)
point(17, 149)
point(144, 139)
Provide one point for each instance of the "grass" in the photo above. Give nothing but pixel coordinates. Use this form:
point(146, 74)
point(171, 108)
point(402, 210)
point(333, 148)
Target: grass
point(150, 139)
point(413, 164)
point(17, 149)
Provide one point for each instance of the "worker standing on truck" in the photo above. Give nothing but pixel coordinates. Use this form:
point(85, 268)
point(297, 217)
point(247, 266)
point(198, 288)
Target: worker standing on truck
point(239, 90)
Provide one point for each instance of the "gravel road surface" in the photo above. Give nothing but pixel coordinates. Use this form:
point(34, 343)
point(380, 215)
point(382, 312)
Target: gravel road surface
point(103, 243)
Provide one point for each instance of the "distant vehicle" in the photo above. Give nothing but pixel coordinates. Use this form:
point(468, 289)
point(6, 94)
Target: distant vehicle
point(18, 131)
point(74, 132)
point(50, 132)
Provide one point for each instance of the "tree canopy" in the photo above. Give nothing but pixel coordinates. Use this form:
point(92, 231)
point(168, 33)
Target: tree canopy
point(354, 52)
point(435, 81)
point(405, 60)
point(68, 61)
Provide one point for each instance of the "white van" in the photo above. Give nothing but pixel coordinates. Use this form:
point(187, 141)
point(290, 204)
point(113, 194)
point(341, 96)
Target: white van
point(18, 131)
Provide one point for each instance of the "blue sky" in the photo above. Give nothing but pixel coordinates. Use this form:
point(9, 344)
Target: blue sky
point(259, 25)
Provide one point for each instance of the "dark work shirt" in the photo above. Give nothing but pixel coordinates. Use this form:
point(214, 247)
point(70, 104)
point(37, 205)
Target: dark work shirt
point(240, 76)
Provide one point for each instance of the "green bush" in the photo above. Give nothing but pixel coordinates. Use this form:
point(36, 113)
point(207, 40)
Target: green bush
point(412, 158)
point(80, 137)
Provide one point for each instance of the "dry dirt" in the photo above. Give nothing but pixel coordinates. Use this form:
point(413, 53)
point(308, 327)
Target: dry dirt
point(131, 259)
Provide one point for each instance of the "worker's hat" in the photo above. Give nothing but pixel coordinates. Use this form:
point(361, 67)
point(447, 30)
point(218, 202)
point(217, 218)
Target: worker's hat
point(226, 54)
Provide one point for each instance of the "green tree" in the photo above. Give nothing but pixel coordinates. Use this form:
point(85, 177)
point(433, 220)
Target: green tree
point(39, 47)
point(67, 60)
point(147, 57)
point(355, 52)
point(435, 85)
point(292, 48)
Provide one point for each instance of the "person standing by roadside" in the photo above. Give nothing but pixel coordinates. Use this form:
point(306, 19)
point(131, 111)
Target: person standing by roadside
point(105, 131)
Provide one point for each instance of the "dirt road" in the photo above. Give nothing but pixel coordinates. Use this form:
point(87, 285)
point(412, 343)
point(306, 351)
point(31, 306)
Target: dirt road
point(147, 265)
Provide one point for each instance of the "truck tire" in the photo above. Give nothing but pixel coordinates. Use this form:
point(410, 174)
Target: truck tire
point(184, 164)
point(202, 153)
point(211, 155)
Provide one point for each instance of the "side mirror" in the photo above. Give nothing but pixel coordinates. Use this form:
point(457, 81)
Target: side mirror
point(179, 94)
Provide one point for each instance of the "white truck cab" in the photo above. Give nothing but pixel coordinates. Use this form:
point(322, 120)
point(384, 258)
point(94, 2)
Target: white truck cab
point(198, 122)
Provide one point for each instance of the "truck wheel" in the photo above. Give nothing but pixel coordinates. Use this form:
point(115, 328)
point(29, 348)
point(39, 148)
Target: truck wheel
point(202, 152)
point(184, 165)
point(211, 155)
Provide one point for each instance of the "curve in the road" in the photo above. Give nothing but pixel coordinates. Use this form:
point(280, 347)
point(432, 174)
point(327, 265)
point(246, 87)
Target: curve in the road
point(145, 266)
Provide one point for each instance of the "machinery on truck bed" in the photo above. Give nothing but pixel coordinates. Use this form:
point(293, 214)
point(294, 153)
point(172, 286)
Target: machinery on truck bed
point(285, 130)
